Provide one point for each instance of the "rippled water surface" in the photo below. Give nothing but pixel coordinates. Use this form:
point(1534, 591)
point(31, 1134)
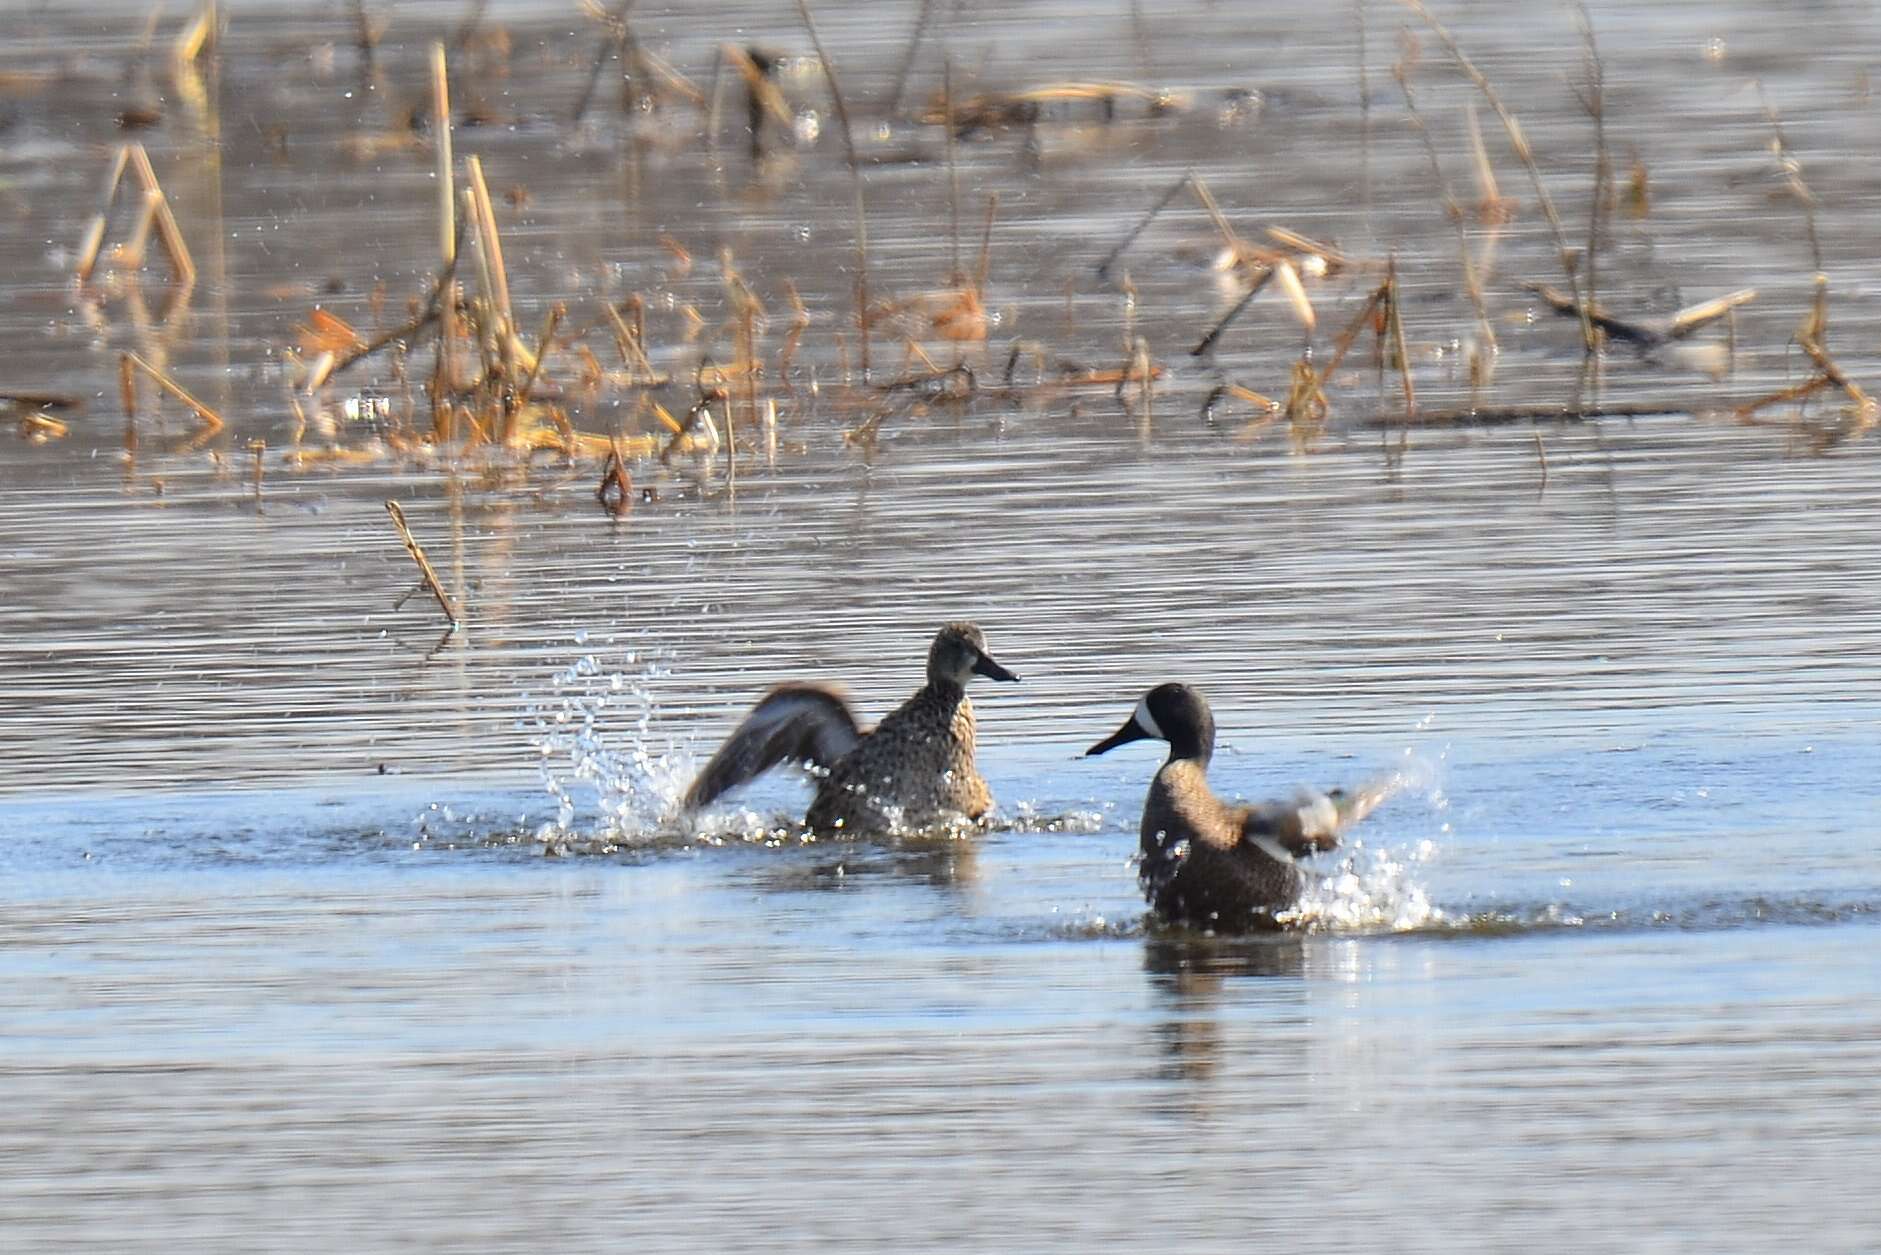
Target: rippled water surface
point(327, 927)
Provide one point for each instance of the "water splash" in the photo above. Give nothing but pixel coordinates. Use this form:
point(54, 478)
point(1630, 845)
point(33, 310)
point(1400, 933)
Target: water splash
point(594, 737)
point(1028, 817)
point(1370, 888)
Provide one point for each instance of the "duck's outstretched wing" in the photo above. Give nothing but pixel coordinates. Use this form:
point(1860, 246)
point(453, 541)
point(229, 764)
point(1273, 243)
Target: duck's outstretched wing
point(805, 723)
point(1314, 821)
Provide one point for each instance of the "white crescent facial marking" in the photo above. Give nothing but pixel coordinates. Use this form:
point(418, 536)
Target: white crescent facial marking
point(1147, 721)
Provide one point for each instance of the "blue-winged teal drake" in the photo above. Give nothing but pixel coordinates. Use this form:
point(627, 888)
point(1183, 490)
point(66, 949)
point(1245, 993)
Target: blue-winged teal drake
point(914, 771)
point(1208, 863)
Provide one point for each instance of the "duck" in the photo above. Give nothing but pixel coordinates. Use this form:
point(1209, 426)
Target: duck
point(914, 771)
point(1217, 865)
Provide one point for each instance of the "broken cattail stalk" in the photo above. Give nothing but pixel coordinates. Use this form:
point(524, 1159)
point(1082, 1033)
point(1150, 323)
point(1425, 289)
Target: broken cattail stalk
point(429, 576)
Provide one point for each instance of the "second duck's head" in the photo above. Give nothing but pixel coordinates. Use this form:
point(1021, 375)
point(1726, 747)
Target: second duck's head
point(1174, 713)
point(959, 654)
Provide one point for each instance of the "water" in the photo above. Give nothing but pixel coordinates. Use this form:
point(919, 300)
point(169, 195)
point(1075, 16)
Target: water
point(327, 926)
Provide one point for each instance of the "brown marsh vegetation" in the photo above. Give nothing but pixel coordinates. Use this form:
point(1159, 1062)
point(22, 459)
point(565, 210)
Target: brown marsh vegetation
point(493, 358)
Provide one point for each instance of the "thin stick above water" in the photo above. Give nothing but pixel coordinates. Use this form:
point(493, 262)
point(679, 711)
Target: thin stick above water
point(1523, 153)
point(855, 175)
point(425, 571)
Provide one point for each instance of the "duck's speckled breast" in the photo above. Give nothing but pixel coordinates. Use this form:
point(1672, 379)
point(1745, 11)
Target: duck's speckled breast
point(915, 770)
point(1196, 867)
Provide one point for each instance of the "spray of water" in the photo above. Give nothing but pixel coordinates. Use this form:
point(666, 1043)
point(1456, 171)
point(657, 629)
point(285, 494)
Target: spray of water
point(595, 745)
point(1374, 887)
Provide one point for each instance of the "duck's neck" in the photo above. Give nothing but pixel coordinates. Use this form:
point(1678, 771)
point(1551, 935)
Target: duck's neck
point(944, 691)
point(1195, 745)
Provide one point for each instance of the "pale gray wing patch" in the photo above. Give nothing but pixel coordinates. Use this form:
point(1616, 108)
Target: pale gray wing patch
point(804, 723)
point(1313, 821)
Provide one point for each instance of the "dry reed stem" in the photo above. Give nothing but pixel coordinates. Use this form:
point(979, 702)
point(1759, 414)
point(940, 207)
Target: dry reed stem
point(211, 421)
point(1394, 311)
point(40, 428)
point(1519, 142)
point(769, 99)
point(953, 166)
point(1797, 392)
point(1792, 170)
point(1692, 317)
point(1343, 344)
point(613, 39)
point(616, 489)
point(91, 245)
point(907, 59)
point(1647, 334)
point(1162, 203)
point(632, 353)
point(438, 306)
point(544, 344)
point(1491, 204)
point(451, 226)
point(1596, 105)
point(441, 130)
point(1503, 416)
point(197, 36)
point(985, 265)
point(154, 212)
point(1288, 276)
point(1472, 281)
point(855, 175)
point(489, 245)
point(1207, 342)
point(168, 233)
point(417, 553)
point(799, 323)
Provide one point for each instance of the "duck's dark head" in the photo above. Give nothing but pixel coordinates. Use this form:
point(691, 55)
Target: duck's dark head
point(1174, 713)
point(959, 654)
